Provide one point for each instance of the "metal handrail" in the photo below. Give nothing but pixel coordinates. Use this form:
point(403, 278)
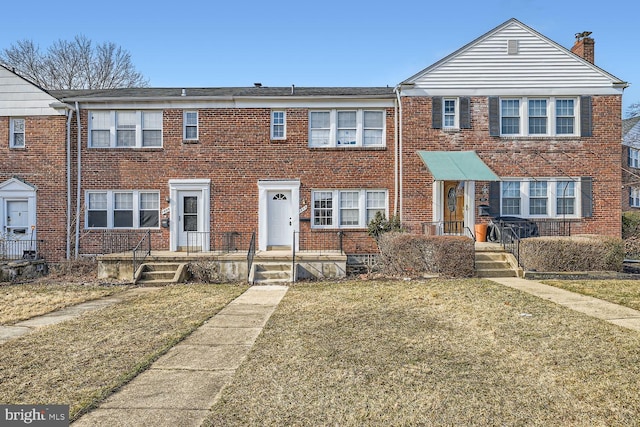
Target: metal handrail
point(147, 251)
point(251, 253)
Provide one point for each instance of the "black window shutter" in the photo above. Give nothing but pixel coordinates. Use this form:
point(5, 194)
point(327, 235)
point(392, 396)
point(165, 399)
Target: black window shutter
point(465, 113)
point(587, 196)
point(630, 197)
point(494, 198)
point(494, 116)
point(436, 112)
point(585, 116)
point(628, 156)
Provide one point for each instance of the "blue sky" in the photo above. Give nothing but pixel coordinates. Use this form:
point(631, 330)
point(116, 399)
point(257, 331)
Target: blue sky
point(329, 43)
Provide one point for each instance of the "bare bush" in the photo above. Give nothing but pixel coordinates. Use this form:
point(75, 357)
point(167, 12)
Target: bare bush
point(575, 253)
point(205, 272)
point(412, 255)
point(81, 268)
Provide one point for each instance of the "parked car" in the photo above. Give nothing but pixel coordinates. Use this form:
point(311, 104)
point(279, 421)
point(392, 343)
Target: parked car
point(511, 227)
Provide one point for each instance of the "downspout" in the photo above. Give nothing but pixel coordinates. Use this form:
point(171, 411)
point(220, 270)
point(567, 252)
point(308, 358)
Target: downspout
point(398, 171)
point(78, 186)
point(69, 118)
point(395, 153)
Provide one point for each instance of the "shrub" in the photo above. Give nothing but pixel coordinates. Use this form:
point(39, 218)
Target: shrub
point(630, 224)
point(205, 272)
point(380, 225)
point(412, 255)
point(83, 267)
point(575, 253)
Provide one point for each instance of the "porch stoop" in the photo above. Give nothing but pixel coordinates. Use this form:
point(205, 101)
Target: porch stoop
point(494, 261)
point(161, 273)
point(270, 273)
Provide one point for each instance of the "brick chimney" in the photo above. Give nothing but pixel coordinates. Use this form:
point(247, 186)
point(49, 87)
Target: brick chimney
point(585, 46)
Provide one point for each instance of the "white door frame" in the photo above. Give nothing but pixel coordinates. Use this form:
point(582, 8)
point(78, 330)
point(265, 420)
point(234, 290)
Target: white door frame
point(264, 186)
point(469, 203)
point(15, 190)
point(204, 209)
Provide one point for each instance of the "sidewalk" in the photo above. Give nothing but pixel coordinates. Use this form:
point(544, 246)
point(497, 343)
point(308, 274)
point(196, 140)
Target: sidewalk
point(26, 326)
point(612, 313)
point(181, 386)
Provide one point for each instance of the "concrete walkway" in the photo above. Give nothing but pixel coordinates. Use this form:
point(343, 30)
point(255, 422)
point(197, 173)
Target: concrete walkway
point(612, 313)
point(21, 328)
point(182, 385)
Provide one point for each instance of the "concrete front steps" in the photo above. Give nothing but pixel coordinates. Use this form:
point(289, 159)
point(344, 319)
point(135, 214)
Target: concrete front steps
point(270, 273)
point(161, 273)
point(496, 262)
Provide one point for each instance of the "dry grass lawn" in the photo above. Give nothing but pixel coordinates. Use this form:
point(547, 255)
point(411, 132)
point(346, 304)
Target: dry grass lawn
point(623, 292)
point(456, 352)
point(22, 301)
point(82, 361)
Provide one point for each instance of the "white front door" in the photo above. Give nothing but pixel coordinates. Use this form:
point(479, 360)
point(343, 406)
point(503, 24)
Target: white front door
point(190, 224)
point(280, 218)
point(17, 227)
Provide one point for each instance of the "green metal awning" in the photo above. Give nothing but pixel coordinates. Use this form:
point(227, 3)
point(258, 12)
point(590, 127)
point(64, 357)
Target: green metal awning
point(457, 166)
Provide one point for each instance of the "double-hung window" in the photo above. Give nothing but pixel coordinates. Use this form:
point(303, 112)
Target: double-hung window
point(16, 133)
point(565, 197)
point(347, 208)
point(449, 113)
point(634, 158)
point(122, 209)
point(634, 197)
point(125, 129)
point(541, 197)
point(538, 117)
point(190, 125)
point(511, 198)
point(278, 125)
point(347, 128)
point(531, 116)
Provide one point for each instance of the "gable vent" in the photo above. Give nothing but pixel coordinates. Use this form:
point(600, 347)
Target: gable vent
point(512, 47)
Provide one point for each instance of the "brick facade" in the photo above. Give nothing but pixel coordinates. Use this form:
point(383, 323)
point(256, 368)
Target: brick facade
point(41, 163)
point(597, 156)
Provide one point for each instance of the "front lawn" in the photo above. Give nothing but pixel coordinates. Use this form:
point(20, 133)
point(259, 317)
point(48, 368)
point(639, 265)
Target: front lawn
point(82, 361)
point(623, 292)
point(440, 352)
point(23, 301)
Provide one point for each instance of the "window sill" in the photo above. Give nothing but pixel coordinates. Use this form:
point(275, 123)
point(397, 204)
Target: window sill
point(538, 137)
point(278, 140)
point(345, 148)
point(125, 148)
point(190, 141)
point(18, 148)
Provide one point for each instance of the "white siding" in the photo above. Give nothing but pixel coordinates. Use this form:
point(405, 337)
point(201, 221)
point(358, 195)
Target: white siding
point(19, 98)
point(485, 67)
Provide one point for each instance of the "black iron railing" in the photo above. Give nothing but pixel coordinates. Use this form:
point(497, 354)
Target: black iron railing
point(141, 251)
point(11, 249)
point(121, 241)
point(446, 228)
point(251, 253)
point(219, 241)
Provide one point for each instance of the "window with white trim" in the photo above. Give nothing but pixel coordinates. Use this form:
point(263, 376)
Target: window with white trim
point(540, 198)
point(190, 125)
point(278, 125)
point(529, 116)
point(346, 208)
point(347, 128)
point(634, 158)
point(634, 197)
point(122, 209)
point(125, 129)
point(450, 113)
point(16, 133)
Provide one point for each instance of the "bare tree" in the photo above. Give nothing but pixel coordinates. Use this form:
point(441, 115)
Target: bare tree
point(75, 64)
point(633, 110)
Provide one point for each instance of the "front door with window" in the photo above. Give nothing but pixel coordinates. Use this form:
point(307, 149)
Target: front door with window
point(453, 203)
point(280, 218)
point(190, 230)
